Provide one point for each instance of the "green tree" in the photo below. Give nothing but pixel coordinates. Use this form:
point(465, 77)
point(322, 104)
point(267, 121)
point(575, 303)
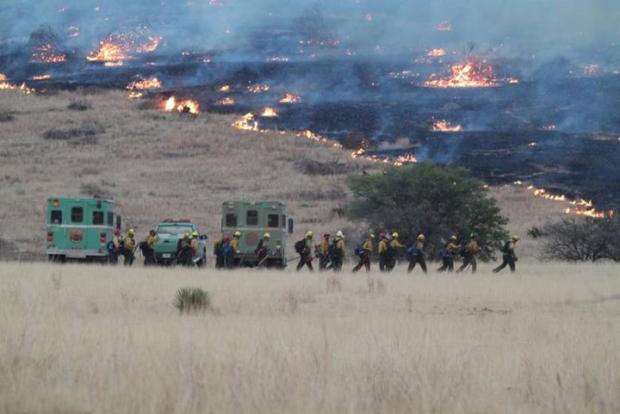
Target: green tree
point(434, 200)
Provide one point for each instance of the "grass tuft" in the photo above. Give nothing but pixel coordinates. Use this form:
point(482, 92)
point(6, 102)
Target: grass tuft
point(192, 299)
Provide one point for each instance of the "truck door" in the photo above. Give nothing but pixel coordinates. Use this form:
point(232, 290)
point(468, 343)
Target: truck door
point(76, 231)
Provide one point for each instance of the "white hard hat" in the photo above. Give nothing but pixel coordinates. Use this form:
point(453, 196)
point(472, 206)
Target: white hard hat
point(339, 233)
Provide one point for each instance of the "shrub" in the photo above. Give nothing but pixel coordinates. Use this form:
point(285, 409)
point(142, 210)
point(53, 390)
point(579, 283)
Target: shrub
point(192, 299)
point(86, 133)
point(434, 200)
point(6, 116)
point(581, 239)
point(80, 105)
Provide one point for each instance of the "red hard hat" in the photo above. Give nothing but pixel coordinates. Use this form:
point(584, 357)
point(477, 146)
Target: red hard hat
point(226, 238)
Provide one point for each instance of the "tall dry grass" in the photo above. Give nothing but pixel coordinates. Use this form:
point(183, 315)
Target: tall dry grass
point(100, 339)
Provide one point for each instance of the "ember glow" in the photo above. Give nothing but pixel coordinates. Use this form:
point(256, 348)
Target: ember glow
point(225, 101)
point(41, 77)
point(258, 88)
point(46, 53)
point(436, 53)
point(444, 126)
point(185, 106)
point(144, 84)
point(472, 74)
point(289, 98)
point(399, 161)
point(225, 88)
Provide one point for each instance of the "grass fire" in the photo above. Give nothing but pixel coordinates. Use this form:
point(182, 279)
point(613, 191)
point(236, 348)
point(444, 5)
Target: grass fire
point(309, 206)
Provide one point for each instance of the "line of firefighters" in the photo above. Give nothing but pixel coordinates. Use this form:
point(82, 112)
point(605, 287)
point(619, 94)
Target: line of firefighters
point(331, 252)
point(126, 246)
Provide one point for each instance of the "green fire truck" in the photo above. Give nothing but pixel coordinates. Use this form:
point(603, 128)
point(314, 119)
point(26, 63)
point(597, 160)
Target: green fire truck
point(80, 228)
point(169, 234)
point(252, 220)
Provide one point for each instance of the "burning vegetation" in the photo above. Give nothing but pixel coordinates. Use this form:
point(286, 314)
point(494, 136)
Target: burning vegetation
point(445, 126)
point(118, 47)
point(577, 207)
point(187, 106)
point(289, 98)
point(471, 74)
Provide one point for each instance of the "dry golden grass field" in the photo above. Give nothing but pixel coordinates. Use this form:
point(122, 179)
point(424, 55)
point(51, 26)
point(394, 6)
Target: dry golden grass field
point(78, 339)
point(158, 165)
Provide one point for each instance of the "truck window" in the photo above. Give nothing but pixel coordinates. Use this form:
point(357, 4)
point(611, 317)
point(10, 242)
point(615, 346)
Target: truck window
point(231, 220)
point(98, 218)
point(56, 217)
point(252, 218)
point(77, 214)
point(273, 220)
point(110, 218)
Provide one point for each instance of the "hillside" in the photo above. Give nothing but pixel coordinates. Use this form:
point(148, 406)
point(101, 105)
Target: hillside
point(158, 165)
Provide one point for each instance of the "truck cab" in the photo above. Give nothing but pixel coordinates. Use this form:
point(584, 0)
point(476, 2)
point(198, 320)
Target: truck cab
point(79, 228)
point(169, 233)
point(253, 220)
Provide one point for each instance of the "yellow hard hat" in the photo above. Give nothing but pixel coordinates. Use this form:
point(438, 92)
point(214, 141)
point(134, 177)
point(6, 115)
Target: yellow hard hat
point(309, 234)
point(371, 235)
point(186, 234)
point(237, 234)
point(453, 238)
point(266, 236)
point(515, 238)
point(131, 232)
point(395, 235)
point(195, 234)
point(421, 237)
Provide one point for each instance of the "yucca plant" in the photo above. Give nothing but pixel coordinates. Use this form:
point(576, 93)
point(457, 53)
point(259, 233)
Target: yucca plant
point(192, 299)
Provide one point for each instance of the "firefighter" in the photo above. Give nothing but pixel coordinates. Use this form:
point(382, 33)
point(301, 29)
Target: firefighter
point(226, 253)
point(148, 250)
point(184, 250)
point(217, 252)
point(304, 248)
point(471, 250)
point(508, 255)
point(393, 247)
point(129, 247)
point(195, 245)
point(382, 250)
point(338, 252)
point(365, 254)
point(448, 253)
point(417, 255)
point(262, 250)
point(114, 247)
point(323, 252)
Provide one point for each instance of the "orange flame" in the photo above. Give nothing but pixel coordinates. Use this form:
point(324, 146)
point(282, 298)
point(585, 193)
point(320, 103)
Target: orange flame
point(579, 207)
point(472, 74)
point(445, 126)
point(289, 98)
point(269, 113)
point(186, 106)
point(226, 101)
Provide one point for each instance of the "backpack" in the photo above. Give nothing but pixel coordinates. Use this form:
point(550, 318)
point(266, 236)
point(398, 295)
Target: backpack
point(412, 251)
point(300, 246)
point(504, 248)
point(359, 251)
point(333, 251)
point(226, 249)
point(389, 251)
